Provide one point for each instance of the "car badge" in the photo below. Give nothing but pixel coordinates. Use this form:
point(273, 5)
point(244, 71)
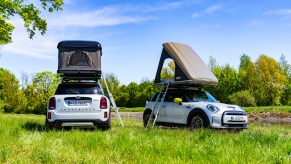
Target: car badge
point(78, 97)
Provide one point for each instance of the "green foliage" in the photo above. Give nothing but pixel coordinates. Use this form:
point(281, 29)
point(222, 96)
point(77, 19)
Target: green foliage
point(9, 90)
point(169, 71)
point(243, 98)
point(271, 81)
point(135, 144)
point(28, 12)
point(286, 69)
point(132, 95)
point(38, 92)
point(228, 83)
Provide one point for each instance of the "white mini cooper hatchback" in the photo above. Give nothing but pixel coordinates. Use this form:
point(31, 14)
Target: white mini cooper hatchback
point(78, 105)
point(195, 109)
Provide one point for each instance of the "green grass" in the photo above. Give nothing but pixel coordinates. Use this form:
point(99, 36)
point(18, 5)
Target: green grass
point(23, 140)
point(277, 109)
point(135, 109)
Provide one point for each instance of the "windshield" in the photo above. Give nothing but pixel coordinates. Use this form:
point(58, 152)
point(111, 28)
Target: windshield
point(197, 96)
point(78, 89)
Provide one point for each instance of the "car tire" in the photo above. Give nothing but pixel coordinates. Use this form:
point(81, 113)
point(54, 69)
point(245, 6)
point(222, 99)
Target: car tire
point(197, 121)
point(146, 118)
point(107, 127)
point(48, 127)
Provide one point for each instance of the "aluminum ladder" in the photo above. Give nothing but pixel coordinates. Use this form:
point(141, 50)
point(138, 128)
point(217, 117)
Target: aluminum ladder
point(112, 101)
point(153, 117)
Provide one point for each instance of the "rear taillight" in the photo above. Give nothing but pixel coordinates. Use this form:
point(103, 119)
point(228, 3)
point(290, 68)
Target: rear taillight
point(49, 115)
point(103, 103)
point(52, 103)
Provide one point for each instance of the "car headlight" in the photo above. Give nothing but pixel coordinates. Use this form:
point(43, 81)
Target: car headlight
point(212, 108)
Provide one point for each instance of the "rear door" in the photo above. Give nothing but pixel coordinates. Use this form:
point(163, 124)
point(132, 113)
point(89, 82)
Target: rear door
point(78, 98)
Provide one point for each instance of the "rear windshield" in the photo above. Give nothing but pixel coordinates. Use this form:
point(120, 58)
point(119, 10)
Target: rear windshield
point(78, 89)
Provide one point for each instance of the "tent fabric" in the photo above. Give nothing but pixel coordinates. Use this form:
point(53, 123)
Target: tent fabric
point(79, 57)
point(189, 67)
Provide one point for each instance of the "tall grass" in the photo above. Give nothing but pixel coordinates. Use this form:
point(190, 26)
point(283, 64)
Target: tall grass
point(23, 140)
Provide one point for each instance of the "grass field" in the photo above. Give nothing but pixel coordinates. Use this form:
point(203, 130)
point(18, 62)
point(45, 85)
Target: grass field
point(24, 140)
point(277, 109)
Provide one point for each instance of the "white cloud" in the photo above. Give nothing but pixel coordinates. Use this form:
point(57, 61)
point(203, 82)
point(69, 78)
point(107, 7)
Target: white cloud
point(284, 12)
point(195, 15)
point(59, 23)
point(107, 16)
point(207, 11)
point(213, 8)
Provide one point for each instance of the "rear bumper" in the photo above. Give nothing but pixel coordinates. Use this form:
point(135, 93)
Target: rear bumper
point(78, 123)
point(78, 119)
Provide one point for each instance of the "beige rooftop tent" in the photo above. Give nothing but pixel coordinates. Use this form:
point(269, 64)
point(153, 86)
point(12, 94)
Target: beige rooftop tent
point(189, 67)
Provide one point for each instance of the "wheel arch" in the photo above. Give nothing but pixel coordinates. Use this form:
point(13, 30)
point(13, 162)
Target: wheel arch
point(200, 112)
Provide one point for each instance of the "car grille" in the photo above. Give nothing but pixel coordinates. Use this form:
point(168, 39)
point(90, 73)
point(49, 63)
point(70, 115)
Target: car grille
point(234, 122)
point(237, 113)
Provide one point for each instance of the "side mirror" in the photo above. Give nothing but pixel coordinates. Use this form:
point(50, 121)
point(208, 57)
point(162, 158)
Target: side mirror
point(178, 100)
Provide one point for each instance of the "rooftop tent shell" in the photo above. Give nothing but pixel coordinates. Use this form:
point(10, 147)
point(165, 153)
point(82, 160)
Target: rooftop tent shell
point(82, 58)
point(189, 67)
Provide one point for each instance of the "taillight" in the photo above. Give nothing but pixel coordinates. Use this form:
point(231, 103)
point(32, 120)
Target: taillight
point(103, 103)
point(52, 103)
point(49, 115)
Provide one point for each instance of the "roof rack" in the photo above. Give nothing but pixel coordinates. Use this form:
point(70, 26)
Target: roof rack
point(81, 77)
point(180, 84)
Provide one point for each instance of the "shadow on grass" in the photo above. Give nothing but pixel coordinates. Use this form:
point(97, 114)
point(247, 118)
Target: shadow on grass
point(33, 126)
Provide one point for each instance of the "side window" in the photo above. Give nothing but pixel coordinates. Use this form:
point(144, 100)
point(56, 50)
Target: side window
point(171, 96)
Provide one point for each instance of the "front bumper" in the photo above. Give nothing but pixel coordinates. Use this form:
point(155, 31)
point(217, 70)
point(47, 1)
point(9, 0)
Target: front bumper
point(229, 120)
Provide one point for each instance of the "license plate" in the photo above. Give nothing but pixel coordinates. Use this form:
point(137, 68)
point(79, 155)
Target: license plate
point(78, 103)
point(236, 118)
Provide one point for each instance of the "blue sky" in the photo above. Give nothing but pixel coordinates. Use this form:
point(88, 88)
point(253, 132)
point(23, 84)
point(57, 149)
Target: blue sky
point(132, 32)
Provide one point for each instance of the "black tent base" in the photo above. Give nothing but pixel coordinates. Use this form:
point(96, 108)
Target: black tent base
point(77, 75)
point(181, 84)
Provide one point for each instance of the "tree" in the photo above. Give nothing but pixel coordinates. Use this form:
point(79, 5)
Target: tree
point(212, 63)
point(169, 71)
point(247, 74)
point(228, 82)
point(112, 83)
point(28, 12)
point(271, 80)
point(286, 69)
point(38, 92)
point(9, 86)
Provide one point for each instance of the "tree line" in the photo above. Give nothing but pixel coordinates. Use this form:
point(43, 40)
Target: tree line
point(264, 82)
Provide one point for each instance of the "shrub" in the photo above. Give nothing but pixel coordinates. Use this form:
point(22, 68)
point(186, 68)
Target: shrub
point(243, 98)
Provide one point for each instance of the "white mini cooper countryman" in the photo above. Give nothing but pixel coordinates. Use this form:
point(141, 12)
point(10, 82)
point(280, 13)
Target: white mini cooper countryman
point(78, 105)
point(195, 109)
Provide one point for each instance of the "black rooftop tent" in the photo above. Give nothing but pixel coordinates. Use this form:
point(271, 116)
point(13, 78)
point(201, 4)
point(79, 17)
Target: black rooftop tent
point(79, 58)
point(189, 67)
